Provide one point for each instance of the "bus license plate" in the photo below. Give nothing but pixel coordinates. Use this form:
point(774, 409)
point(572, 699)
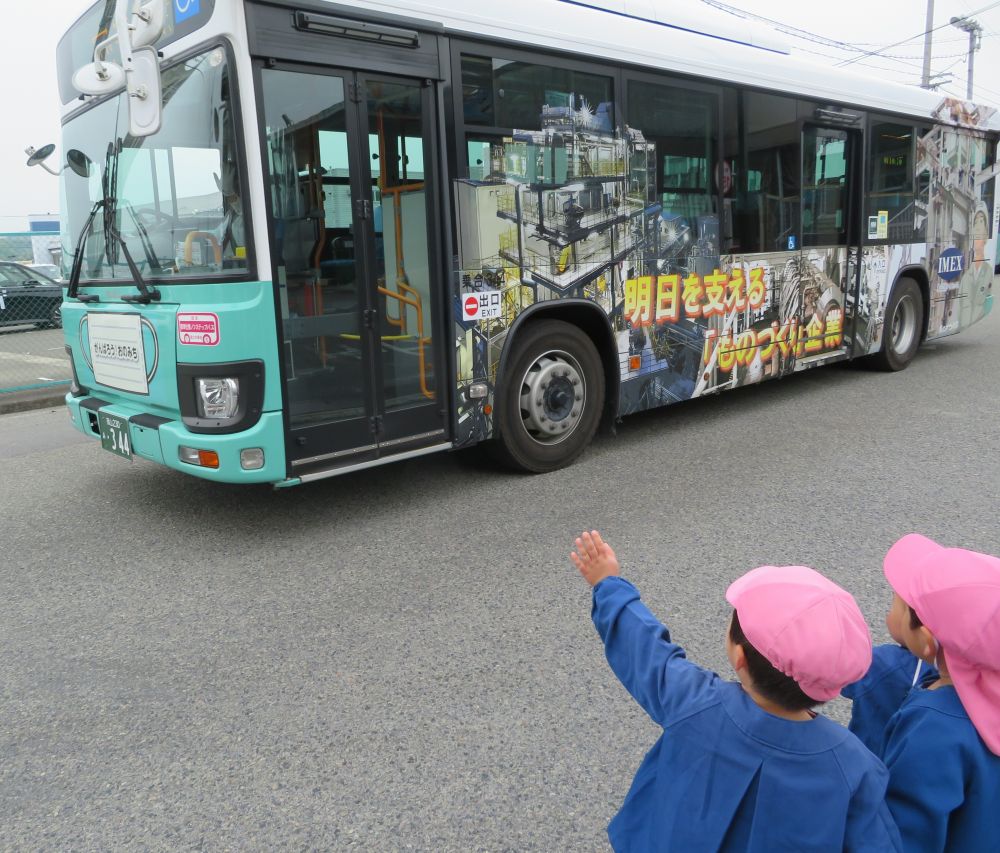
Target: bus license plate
point(114, 434)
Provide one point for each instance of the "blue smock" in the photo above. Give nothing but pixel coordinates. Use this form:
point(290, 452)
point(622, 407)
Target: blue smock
point(878, 695)
point(944, 783)
point(726, 775)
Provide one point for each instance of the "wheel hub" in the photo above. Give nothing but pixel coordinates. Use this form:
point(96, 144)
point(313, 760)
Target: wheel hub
point(903, 324)
point(552, 397)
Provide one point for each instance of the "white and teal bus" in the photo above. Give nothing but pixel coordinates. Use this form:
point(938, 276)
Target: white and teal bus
point(305, 237)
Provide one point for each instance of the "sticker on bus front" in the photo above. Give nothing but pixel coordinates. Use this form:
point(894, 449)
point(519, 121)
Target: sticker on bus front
point(201, 329)
point(117, 354)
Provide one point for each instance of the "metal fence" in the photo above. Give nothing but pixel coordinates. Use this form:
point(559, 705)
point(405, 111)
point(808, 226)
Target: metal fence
point(32, 350)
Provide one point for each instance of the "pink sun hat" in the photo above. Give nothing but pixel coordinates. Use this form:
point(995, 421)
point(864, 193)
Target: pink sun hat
point(805, 626)
point(956, 594)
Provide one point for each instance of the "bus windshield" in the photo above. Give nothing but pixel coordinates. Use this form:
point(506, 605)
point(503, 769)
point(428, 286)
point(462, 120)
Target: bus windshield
point(174, 198)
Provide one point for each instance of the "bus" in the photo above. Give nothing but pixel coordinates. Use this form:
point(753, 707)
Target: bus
point(302, 238)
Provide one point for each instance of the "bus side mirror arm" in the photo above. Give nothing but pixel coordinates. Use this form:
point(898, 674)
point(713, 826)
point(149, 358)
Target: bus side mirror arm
point(139, 72)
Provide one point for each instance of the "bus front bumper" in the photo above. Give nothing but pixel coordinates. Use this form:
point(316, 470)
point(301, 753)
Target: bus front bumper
point(167, 441)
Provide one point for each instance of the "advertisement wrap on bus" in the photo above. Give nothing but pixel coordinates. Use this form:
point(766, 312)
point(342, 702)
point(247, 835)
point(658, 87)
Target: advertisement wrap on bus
point(305, 238)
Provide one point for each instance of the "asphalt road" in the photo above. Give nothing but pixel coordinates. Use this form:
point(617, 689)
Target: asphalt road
point(403, 659)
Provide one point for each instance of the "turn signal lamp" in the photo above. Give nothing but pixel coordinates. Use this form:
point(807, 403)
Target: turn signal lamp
point(201, 458)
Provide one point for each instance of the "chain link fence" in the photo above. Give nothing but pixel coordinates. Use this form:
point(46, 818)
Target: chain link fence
point(32, 350)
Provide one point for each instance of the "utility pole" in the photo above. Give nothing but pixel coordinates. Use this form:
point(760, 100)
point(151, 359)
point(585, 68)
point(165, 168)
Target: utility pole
point(975, 32)
point(925, 80)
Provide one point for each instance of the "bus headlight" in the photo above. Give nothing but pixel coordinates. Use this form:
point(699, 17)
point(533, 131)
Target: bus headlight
point(218, 399)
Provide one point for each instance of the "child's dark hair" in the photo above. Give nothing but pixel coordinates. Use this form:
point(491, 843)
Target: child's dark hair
point(767, 680)
point(914, 619)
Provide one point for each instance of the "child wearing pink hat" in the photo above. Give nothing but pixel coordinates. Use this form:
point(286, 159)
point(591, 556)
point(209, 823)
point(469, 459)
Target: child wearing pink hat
point(745, 766)
point(942, 746)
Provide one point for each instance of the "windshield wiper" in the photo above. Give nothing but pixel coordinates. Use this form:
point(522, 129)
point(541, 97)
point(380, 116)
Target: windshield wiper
point(147, 245)
point(146, 293)
point(72, 291)
point(109, 184)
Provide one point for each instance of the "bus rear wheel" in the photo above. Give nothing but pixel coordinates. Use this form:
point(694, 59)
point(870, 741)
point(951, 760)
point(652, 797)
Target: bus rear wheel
point(550, 397)
point(904, 325)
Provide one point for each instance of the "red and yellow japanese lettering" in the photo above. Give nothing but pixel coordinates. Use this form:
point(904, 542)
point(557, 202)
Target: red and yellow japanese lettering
point(814, 334)
point(746, 346)
point(736, 299)
point(639, 300)
point(710, 336)
point(786, 336)
point(834, 329)
point(765, 340)
point(726, 353)
point(715, 293)
point(668, 303)
point(694, 290)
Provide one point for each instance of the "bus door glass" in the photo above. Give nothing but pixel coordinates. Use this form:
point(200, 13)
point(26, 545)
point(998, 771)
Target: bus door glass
point(828, 260)
point(354, 250)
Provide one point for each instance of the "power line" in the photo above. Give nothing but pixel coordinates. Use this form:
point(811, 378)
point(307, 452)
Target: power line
point(911, 63)
point(780, 26)
point(807, 35)
point(911, 38)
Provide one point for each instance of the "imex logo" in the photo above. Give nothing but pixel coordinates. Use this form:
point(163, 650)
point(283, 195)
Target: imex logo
point(951, 264)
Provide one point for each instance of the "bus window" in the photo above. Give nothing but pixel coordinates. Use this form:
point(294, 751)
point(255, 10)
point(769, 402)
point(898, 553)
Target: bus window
point(176, 194)
point(987, 157)
point(766, 218)
point(510, 94)
point(891, 172)
point(310, 171)
point(485, 158)
point(410, 151)
point(826, 194)
point(683, 125)
point(336, 179)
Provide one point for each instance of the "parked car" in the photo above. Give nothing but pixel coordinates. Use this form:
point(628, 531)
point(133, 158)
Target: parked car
point(50, 270)
point(28, 296)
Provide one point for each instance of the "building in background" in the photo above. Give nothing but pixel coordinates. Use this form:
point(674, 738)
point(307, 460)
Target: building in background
point(37, 243)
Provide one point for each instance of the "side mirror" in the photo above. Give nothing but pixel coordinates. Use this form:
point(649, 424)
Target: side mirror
point(139, 72)
point(38, 156)
point(99, 78)
point(79, 162)
point(148, 24)
point(76, 160)
point(145, 92)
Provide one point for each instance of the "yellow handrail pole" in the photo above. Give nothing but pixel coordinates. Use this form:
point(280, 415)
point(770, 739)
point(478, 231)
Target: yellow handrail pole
point(421, 341)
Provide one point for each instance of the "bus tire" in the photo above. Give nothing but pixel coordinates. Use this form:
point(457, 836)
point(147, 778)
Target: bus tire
point(550, 398)
point(904, 326)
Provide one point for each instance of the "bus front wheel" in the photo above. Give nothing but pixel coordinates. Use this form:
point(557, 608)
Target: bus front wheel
point(904, 324)
point(550, 398)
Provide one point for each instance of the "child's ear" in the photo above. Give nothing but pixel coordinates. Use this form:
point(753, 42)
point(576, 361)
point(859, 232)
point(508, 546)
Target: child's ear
point(738, 658)
point(928, 645)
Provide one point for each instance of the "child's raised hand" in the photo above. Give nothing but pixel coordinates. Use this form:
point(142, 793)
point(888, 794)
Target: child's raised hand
point(594, 558)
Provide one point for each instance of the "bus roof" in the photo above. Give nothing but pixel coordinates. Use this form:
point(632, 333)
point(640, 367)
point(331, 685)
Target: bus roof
point(701, 42)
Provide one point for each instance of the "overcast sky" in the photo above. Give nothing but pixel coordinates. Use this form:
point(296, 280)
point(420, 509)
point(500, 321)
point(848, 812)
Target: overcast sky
point(29, 33)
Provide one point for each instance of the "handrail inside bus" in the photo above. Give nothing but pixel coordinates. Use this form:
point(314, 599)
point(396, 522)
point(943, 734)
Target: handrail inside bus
point(421, 340)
